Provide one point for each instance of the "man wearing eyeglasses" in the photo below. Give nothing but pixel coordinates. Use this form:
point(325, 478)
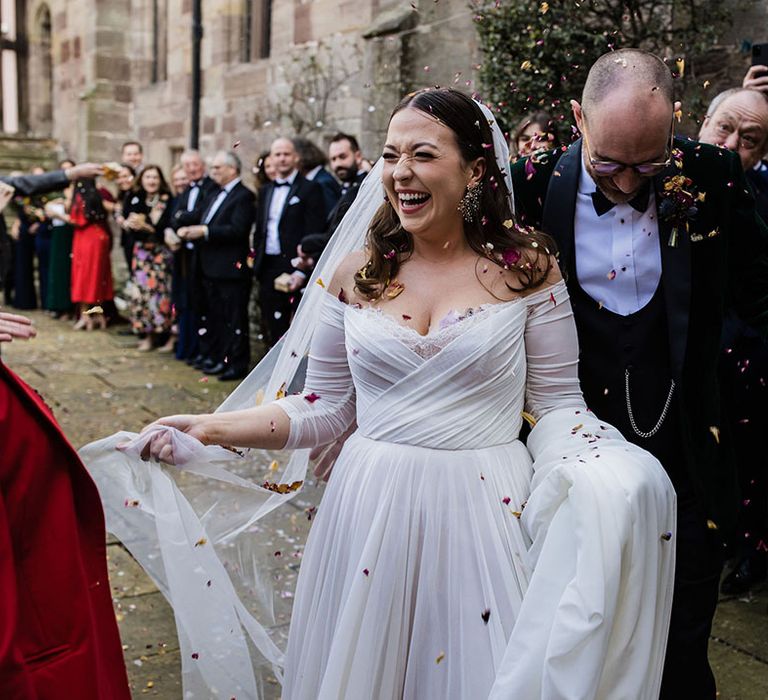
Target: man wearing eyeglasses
point(656, 236)
point(737, 120)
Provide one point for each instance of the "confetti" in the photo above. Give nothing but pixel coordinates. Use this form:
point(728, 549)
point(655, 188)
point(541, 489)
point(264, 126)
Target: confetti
point(320, 282)
point(395, 290)
point(282, 488)
point(667, 536)
point(611, 275)
point(195, 656)
point(203, 380)
point(506, 500)
point(129, 503)
point(235, 144)
point(486, 615)
point(406, 317)
point(280, 392)
point(272, 426)
point(440, 657)
point(528, 418)
point(201, 542)
point(715, 433)
point(274, 465)
point(366, 572)
point(312, 397)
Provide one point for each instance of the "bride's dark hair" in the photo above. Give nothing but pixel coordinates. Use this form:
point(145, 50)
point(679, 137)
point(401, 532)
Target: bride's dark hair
point(492, 233)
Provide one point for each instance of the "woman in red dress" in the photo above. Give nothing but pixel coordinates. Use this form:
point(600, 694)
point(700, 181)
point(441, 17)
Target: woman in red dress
point(91, 266)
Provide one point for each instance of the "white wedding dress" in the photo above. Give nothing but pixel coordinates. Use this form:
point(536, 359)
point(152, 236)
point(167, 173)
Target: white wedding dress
point(416, 571)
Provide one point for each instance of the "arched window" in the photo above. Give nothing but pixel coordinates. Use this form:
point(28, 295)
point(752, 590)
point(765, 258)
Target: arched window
point(40, 73)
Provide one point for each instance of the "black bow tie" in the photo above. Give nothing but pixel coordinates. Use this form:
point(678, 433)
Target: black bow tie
point(639, 202)
point(282, 183)
point(194, 185)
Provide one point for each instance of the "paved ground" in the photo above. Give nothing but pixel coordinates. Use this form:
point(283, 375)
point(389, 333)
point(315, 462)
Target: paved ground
point(97, 383)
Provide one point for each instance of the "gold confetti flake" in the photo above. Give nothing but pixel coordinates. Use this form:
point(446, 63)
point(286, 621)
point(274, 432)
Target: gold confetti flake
point(715, 433)
point(320, 282)
point(274, 466)
point(281, 392)
point(201, 542)
point(440, 657)
point(528, 418)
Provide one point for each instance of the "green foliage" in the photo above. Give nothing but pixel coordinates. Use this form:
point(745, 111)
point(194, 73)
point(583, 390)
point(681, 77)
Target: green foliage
point(537, 54)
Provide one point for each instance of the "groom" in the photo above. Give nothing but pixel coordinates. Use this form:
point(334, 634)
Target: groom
point(657, 238)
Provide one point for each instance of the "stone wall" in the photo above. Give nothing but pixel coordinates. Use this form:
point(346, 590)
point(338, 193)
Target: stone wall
point(334, 65)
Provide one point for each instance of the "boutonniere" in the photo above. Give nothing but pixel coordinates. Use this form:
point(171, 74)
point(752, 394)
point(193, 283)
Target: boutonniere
point(679, 201)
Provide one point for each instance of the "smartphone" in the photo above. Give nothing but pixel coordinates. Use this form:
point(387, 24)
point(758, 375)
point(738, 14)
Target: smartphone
point(760, 54)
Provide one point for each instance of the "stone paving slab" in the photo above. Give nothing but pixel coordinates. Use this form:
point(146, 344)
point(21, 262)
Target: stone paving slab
point(98, 383)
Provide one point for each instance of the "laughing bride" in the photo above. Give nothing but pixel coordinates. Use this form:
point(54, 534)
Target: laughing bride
point(447, 559)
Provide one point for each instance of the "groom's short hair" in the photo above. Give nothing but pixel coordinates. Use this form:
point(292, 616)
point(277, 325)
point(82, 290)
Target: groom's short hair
point(624, 67)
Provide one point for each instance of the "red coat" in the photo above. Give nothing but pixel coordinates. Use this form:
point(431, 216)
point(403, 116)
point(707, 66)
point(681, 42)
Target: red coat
point(58, 634)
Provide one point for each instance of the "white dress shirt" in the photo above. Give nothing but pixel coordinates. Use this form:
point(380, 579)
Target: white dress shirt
point(618, 255)
point(193, 194)
point(219, 199)
point(276, 206)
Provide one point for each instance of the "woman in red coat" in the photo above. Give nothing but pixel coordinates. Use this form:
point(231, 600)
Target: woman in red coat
point(58, 634)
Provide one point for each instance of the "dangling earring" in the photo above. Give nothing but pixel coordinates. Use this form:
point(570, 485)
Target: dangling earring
point(469, 205)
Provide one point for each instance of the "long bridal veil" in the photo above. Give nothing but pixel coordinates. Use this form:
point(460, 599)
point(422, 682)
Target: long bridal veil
point(602, 562)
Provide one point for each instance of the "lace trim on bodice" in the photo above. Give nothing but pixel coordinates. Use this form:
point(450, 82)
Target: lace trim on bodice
point(451, 327)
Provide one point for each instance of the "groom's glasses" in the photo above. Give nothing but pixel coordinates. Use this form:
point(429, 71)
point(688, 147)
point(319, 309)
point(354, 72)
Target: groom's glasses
point(608, 168)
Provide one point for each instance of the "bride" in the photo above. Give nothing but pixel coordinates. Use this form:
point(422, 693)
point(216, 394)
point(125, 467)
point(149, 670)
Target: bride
point(447, 558)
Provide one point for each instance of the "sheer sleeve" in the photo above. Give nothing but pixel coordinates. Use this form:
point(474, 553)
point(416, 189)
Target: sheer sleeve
point(326, 407)
point(552, 350)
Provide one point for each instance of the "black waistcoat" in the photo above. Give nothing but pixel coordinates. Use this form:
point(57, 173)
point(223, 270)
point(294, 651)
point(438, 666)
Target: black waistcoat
point(609, 345)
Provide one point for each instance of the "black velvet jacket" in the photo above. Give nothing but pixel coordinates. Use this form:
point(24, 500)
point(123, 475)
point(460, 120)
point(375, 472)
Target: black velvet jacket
point(720, 263)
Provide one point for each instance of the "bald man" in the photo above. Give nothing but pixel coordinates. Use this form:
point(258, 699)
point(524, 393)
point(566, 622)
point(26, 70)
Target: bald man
point(290, 207)
point(649, 274)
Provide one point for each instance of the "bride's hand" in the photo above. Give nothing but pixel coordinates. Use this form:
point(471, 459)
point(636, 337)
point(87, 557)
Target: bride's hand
point(160, 446)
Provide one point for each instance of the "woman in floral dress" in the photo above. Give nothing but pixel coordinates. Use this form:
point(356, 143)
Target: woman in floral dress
point(147, 213)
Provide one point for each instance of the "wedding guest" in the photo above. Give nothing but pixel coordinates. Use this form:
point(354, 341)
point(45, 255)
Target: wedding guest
point(91, 267)
point(654, 234)
point(532, 133)
point(27, 185)
point(179, 180)
point(263, 170)
point(125, 181)
point(346, 161)
point(737, 120)
point(289, 208)
point(132, 153)
point(23, 232)
point(59, 299)
point(41, 228)
point(147, 215)
point(221, 255)
point(188, 296)
point(312, 162)
point(58, 633)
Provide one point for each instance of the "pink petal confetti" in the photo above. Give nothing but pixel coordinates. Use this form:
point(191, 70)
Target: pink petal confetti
point(511, 256)
point(312, 397)
point(366, 572)
point(195, 656)
point(235, 144)
point(486, 615)
point(203, 380)
point(406, 317)
point(506, 500)
point(612, 275)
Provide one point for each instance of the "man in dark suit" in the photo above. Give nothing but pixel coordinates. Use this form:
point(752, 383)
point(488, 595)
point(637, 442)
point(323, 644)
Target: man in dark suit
point(222, 257)
point(737, 120)
point(656, 237)
point(289, 207)
point(311, 165)
point(187, 281)
point(346, 162)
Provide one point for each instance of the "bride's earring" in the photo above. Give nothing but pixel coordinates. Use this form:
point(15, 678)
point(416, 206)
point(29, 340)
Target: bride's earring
point(469, 205)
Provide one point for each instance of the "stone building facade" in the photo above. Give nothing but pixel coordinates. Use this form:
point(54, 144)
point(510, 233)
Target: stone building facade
point(79, 77)
point(94, 73)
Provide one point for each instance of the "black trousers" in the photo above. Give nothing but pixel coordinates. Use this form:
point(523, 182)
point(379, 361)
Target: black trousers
point(227, 337)
point(698, 566)
point(277, 308)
